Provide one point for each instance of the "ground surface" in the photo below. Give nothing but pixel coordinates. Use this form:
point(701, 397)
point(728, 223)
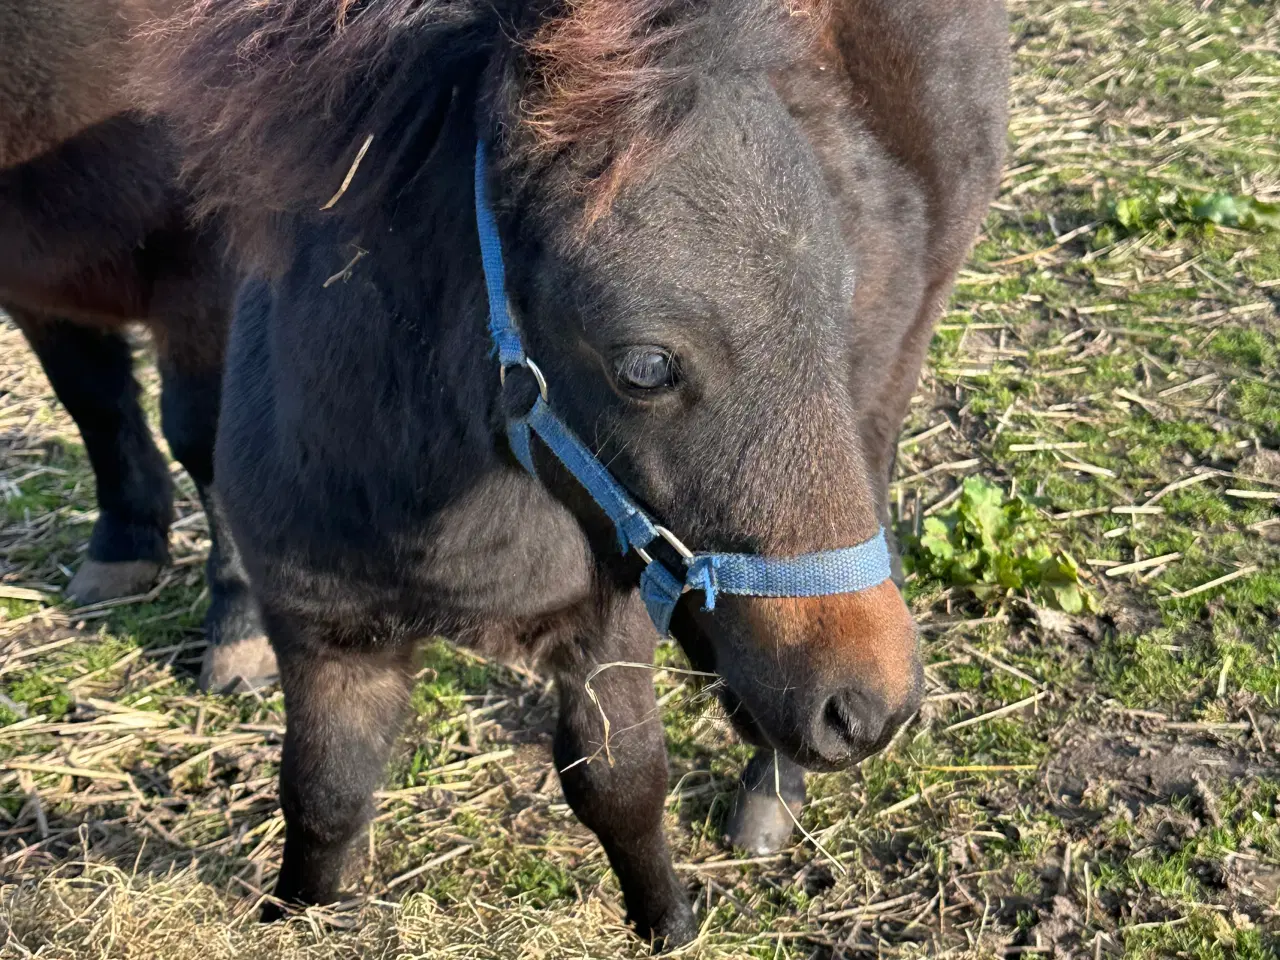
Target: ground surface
point(1097, 784)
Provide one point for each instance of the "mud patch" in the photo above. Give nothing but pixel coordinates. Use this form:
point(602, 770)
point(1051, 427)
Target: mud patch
point(1142, 768)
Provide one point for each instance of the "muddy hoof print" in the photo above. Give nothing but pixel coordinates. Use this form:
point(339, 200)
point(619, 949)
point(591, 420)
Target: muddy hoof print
point(241, 666)
point(97, 581)
point(759, 822)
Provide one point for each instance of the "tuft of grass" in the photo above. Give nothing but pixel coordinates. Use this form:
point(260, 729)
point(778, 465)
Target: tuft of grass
point(1155, 206)
point(993, 545)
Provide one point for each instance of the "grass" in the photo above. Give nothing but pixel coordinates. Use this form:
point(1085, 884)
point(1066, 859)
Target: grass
point(1128, 808)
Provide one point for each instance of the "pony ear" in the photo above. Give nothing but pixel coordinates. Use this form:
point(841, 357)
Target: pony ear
point(299, 107)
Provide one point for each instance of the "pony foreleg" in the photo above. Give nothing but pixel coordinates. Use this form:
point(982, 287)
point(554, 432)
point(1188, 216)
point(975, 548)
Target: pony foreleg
point(615, 779)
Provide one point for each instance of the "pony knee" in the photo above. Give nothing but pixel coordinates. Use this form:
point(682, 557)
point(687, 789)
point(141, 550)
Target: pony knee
point(621, 792)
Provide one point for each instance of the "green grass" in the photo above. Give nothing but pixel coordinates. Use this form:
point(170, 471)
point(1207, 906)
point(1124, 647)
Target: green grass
point(1150, 342)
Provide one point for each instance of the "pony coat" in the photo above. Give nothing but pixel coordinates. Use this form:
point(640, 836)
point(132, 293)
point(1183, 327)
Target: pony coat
point(776, 199)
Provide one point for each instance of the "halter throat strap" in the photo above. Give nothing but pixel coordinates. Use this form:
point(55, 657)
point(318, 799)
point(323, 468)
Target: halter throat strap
point(844, 570)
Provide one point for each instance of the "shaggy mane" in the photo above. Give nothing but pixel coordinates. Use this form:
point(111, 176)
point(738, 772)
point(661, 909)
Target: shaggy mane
point(274, 100)
point(616, 73)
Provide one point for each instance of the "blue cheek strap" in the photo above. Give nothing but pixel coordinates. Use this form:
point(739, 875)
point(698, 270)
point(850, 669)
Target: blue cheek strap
point(844, 570)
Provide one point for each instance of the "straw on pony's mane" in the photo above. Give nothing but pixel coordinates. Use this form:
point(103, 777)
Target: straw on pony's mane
point(272, 98)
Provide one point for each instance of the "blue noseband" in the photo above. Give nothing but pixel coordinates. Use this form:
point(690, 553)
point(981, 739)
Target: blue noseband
point(846, 570)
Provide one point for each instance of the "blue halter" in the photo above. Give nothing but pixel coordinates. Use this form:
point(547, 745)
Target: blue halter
point(846, 570)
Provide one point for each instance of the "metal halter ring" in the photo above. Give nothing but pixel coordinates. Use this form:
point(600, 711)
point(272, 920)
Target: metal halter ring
point(532, 368)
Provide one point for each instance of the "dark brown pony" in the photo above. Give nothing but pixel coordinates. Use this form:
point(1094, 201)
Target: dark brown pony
point(95, 233)
point(729, 226)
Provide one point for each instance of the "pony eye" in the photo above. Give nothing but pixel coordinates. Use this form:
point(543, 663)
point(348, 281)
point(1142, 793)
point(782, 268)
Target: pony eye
point(646, 368)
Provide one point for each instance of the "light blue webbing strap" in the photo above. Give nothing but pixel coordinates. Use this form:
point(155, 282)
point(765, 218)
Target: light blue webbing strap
point(844, 570)
point(505, 336)
point(635, 529)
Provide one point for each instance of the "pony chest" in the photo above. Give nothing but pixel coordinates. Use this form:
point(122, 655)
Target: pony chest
point(504, 549)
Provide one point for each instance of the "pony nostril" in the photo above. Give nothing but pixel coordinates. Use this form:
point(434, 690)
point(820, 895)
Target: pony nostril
point(851, 726)
point(847, 715)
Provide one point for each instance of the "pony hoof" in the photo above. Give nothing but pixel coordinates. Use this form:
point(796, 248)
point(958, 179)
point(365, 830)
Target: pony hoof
point(272, 912)
point(759, 822)
point(240, 666)
point(673, 930)
point(767, 807)
point(96, 580)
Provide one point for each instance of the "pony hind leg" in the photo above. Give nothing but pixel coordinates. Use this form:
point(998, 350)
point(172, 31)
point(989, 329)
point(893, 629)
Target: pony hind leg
point(618, 788)
point(190, 357)
point(345, 704)
point(91, 371)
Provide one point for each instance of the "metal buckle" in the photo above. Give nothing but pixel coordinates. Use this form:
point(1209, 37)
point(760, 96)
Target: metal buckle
point(672, 539)
point(532, 368)
point(676, 544)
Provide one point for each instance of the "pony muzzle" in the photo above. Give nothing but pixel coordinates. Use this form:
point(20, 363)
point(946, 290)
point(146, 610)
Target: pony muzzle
point(828, 680)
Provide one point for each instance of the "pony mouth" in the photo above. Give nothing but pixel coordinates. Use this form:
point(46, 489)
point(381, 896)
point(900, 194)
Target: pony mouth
point(700, 652)
point(755, 733)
